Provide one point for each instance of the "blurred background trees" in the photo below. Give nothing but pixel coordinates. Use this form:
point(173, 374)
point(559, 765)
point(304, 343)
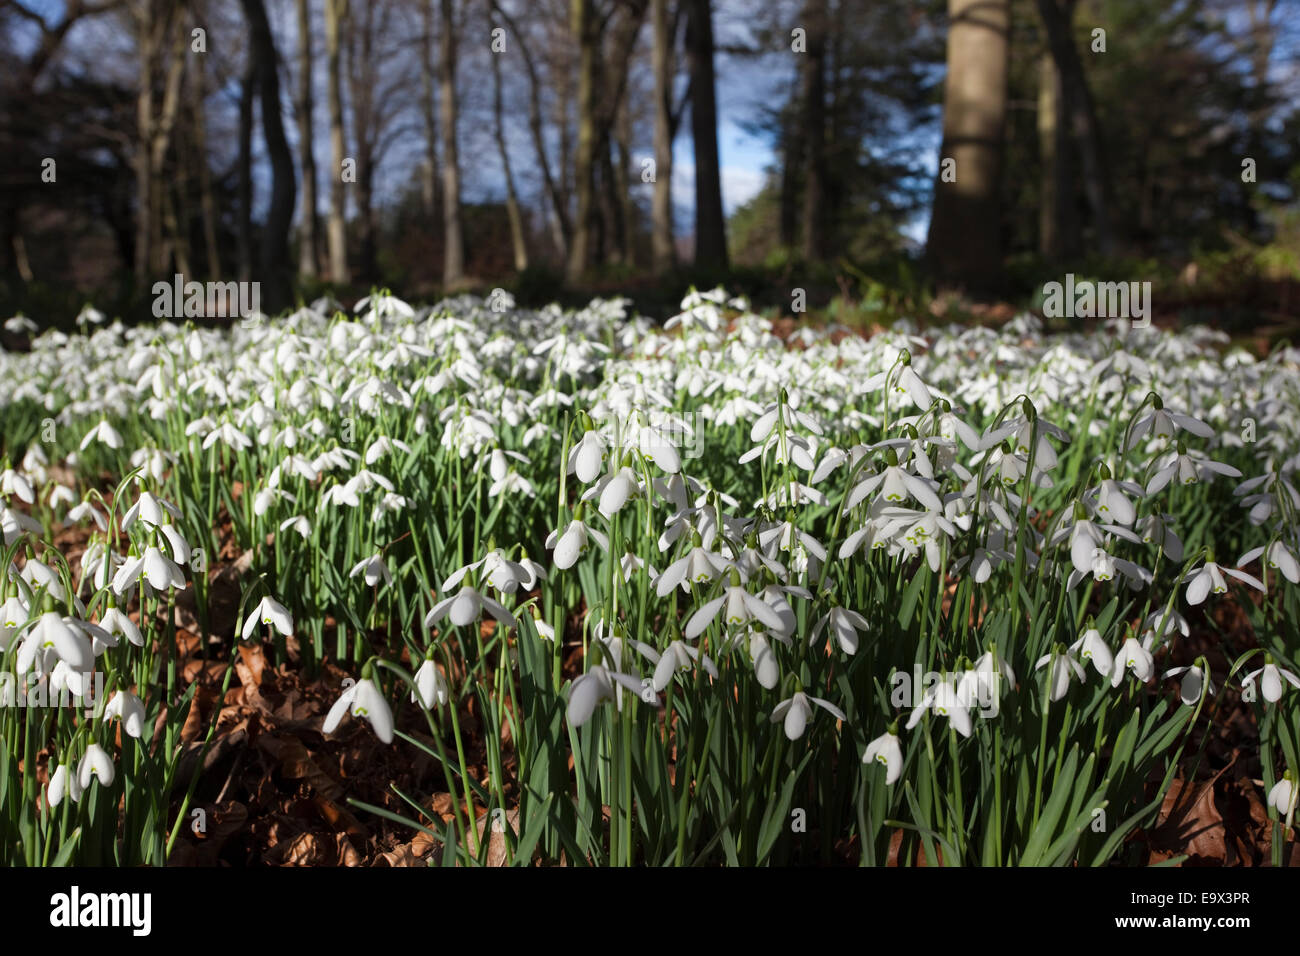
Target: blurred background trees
point(875, 154)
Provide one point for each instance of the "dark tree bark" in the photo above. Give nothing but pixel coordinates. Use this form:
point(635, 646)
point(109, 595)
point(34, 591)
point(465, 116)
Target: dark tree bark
point(275, 264)
point(815, 19)
point(309, 238)
point(336, 16)
point(662, 245)
point(244, 189)
point(710, 224)
point(453, 262)
point(1077, 104)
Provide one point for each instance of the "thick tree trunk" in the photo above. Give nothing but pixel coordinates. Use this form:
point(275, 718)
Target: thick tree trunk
point(336, 15)
point(309, 241)
point(791, 158)
point(710, 224)
point(662, 244)
point(244, 188)
point(964, 242)
point(1058, 17)
point(582, 17)
point(429, 114)
point(360, 48)
point(276, 266)
point(207, 201)
point(1058, 238)
point(453, 262)
point(815, 19)
point(623, 186)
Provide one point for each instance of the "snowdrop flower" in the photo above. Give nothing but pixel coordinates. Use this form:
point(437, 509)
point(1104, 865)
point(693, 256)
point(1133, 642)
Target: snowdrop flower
point(299, 524)
point(1188, 469)
point(1112, 502)
point(1189, 688)
point(129, 709)
point(886, 750)
point(1090, 647)
point(1282, 796)
point(151, 510)
point(1209, 577)
point(157, 569)
point(573, 543)
point(13, 616)
point(95, 764)
point(896, 485)
point(63, 783)
point(697, 566)
point(797, 709)
point(907, 383)
point(944, 700)
point(845, 625)
point(766, 670)
point(1163, 424)
point(587, 456)
point(103, 433)
point(677, 656)
point(431, 688)
point(54, 634)
point(1061, 667)
point(989, 674)
point(465, 606)
point(741, 608)
point(375, 570)
point(12, 483)
point(501, 573)
point(598, 684)
point(1280, 558)
point(19, 324)
point(272, 613)
point(362, 700)
point(228, 435)
point(615, 491)
point(1271, 685)
point(1132, 656)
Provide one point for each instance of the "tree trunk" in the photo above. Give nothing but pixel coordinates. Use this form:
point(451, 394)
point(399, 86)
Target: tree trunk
point(360, 48)
point(815, 19)
point(662, 245)
point(964, 242)
point(1058, 238)
point(275, 262)
point(244, 224)
point(453, 262)
point(207, 201)
point(582, 17)
point(309, 237)
point(336, 14)
point(512, 199)
point(791, 157)
point(623, 185)
point(428, 111)
point(1058, 16)
point(710, 224)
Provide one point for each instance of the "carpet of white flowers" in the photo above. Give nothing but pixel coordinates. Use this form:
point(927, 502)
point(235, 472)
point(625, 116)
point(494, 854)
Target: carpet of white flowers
point(711, 595)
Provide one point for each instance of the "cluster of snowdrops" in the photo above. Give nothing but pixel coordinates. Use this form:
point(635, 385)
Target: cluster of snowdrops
point(711, 595)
